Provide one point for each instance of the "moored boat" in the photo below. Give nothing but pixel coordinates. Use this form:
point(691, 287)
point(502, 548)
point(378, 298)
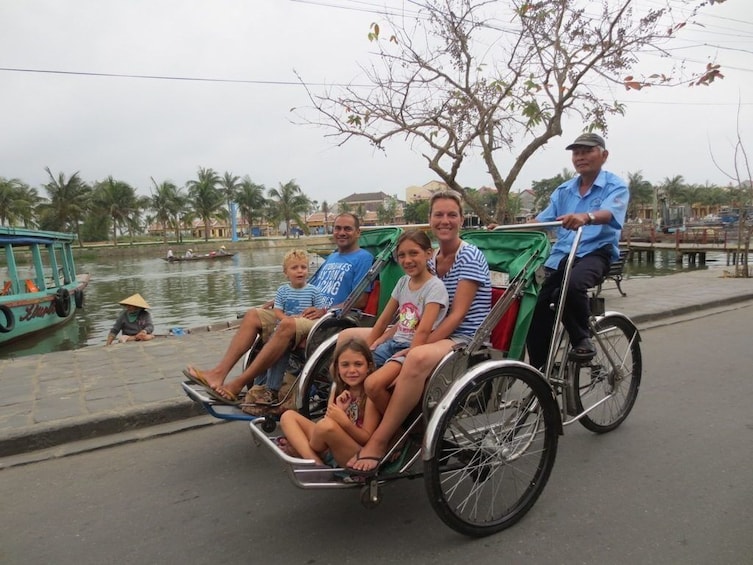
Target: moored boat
point(40, 286)
point(205, 257)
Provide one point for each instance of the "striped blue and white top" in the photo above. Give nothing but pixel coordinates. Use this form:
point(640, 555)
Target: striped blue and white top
point(293, 301)
point(470, 264)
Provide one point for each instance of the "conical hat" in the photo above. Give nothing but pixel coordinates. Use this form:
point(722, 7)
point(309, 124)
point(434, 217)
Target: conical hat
point(135, 300)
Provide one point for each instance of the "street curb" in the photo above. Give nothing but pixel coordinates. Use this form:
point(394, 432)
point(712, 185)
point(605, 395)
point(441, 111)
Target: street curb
point(641, 318)
point(76, 429)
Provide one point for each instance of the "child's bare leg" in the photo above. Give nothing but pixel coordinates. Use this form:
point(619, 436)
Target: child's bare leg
point(298, 431)
point(406, 394)
point(377, 384)
point(329, 435)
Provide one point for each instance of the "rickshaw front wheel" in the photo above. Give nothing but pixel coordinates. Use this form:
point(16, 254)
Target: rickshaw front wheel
point(612, 378)
point(495, 447)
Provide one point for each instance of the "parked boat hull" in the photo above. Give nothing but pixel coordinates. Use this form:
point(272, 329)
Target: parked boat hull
point(36, 312)
point(40, 286)
point(215, 257)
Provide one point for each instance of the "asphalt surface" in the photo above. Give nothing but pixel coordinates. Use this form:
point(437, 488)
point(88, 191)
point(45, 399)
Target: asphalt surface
point(83, 398)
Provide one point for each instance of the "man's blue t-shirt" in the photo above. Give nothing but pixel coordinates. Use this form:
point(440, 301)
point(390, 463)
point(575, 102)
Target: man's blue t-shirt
point(608, 192)
point(340, 273)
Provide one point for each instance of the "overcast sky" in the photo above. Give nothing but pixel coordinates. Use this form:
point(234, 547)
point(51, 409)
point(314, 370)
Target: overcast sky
point(134, 129)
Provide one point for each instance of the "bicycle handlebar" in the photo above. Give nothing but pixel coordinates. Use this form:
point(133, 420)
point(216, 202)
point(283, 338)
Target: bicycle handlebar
point(528, 226)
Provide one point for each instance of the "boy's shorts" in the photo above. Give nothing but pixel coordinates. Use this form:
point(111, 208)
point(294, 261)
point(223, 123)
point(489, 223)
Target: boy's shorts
point(269, 324)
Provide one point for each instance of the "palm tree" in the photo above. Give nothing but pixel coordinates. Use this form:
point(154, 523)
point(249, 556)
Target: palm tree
point(27, 203)
point(69, 201)
point(167, 203)
point(206, 198)
point(229, 184)
point(289, 203)
point(251, 201)
point(641, 192)
point(13, 204)
point(673, 189)
point(118, 200)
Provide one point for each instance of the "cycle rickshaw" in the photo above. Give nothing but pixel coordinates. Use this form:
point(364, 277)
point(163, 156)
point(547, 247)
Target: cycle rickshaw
point(380, 279)
point(489, 423)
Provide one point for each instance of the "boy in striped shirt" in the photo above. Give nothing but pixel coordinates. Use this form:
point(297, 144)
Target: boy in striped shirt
point(292, 299)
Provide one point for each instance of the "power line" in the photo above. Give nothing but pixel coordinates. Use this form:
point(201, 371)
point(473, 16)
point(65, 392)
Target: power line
point(156, 77)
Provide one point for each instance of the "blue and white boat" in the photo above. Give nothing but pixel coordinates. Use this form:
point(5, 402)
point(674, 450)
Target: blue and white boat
point(40, 286)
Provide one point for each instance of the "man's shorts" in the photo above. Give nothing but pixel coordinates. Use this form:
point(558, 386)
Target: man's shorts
point(269, 323)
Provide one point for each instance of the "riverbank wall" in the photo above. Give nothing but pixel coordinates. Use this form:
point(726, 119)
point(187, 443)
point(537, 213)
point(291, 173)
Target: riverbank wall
point(159, 249)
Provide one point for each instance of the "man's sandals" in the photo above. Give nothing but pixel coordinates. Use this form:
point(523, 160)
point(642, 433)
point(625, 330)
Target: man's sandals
point(221, 395)
point(583, 351)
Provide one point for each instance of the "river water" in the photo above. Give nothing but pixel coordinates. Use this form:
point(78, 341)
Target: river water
point(180, 295)
point(199, 293)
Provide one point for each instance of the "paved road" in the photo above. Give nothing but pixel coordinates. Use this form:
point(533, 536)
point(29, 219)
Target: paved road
point(49, 401)
point(671, 485)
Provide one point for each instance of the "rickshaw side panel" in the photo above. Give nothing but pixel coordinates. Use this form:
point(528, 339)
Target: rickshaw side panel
point(508, 252)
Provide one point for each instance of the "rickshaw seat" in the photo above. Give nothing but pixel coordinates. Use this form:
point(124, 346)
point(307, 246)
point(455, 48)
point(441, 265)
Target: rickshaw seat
point(372, 304)
point(502, 333)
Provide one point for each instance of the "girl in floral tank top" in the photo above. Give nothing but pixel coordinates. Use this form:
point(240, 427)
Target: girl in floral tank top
point(351, 417)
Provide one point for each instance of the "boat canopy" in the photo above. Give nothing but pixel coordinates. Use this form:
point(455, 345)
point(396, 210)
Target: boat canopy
point(15, 240)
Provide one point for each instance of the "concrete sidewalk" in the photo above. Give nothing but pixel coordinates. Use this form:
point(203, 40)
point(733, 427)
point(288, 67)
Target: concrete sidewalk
point(53, 399)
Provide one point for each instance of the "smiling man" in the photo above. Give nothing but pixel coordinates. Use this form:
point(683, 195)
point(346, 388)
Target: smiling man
point(596, 199)
point(335, 279)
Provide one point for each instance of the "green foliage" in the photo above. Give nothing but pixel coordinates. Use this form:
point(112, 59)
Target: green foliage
point(169, 204)
point(118, 201)
point(542, 189)
point(417, 212)
point(251, 201)
point(289, 203)
point(96, 227)
point(69, 201)
point(641, 193)
point(17, 203)
point(386, 213)
point(206, 199)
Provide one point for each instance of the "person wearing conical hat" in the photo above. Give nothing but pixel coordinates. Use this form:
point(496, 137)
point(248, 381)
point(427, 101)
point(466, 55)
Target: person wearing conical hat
point(189, 254)
point(222, 250)
point(134, 322)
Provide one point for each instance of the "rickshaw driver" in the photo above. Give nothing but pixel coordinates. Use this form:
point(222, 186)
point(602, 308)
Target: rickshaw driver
point(596, 199)
point(336, 278)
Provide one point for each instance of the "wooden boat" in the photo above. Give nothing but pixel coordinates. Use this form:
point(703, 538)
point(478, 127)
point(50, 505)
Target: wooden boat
point(322, 252)
point(205, 257)
point(40, 287)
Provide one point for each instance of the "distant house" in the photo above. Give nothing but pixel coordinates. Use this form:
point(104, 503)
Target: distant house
point(527, 198)
point(424, 192)
point(367, 205)
point(218, 229)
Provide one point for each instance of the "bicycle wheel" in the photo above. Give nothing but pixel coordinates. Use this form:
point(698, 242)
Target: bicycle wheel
point(495, 448)
point(316, 386)
point(613, 384)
